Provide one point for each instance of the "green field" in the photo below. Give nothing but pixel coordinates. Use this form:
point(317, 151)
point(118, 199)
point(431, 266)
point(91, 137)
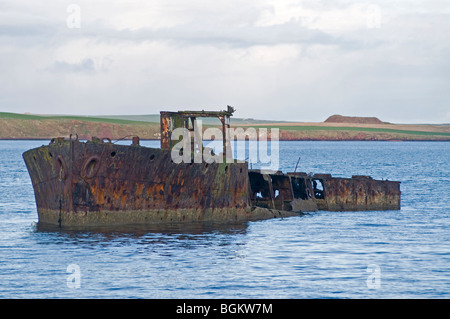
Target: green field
point(4, 115)
point(16, 116)
point(350, 128)
point(125, 119)
point(147, 126)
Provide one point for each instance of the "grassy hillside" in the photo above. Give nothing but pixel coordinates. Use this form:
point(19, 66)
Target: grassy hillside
point(367, 128)
point(154, 118)
point(114, 120)
point(29, 126)
point(24, 126)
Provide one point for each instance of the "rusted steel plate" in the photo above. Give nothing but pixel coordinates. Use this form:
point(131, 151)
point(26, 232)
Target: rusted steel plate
point(108, 177)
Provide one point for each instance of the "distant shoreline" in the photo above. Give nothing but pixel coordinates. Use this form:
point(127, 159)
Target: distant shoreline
point(35, 127)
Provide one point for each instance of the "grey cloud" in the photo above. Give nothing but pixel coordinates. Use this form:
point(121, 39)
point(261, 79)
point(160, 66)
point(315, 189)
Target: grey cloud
point(214, 35)
point(194, 33)
point(84, 66)
point(400, 67)
point(242, 36)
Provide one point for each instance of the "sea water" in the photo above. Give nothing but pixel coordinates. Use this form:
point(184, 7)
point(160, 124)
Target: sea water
point(372, 254)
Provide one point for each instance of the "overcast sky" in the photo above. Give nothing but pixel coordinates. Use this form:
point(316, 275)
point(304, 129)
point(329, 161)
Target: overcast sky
point(281, 60)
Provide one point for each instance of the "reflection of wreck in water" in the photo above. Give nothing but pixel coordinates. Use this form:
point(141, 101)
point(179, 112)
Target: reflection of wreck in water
point(101, 183)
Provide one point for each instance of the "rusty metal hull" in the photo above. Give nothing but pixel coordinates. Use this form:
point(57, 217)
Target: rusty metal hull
point(307, 192)
point(98, 183)
point(356, 194)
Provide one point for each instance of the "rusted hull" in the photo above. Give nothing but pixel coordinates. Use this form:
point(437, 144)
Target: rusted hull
point(307, 192)
point(357, 193)
point(100, 183)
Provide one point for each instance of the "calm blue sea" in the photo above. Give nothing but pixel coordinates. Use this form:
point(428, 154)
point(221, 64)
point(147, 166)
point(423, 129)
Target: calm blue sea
point(387, 254)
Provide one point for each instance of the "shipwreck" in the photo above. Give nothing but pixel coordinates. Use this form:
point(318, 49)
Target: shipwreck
point(97, 182)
